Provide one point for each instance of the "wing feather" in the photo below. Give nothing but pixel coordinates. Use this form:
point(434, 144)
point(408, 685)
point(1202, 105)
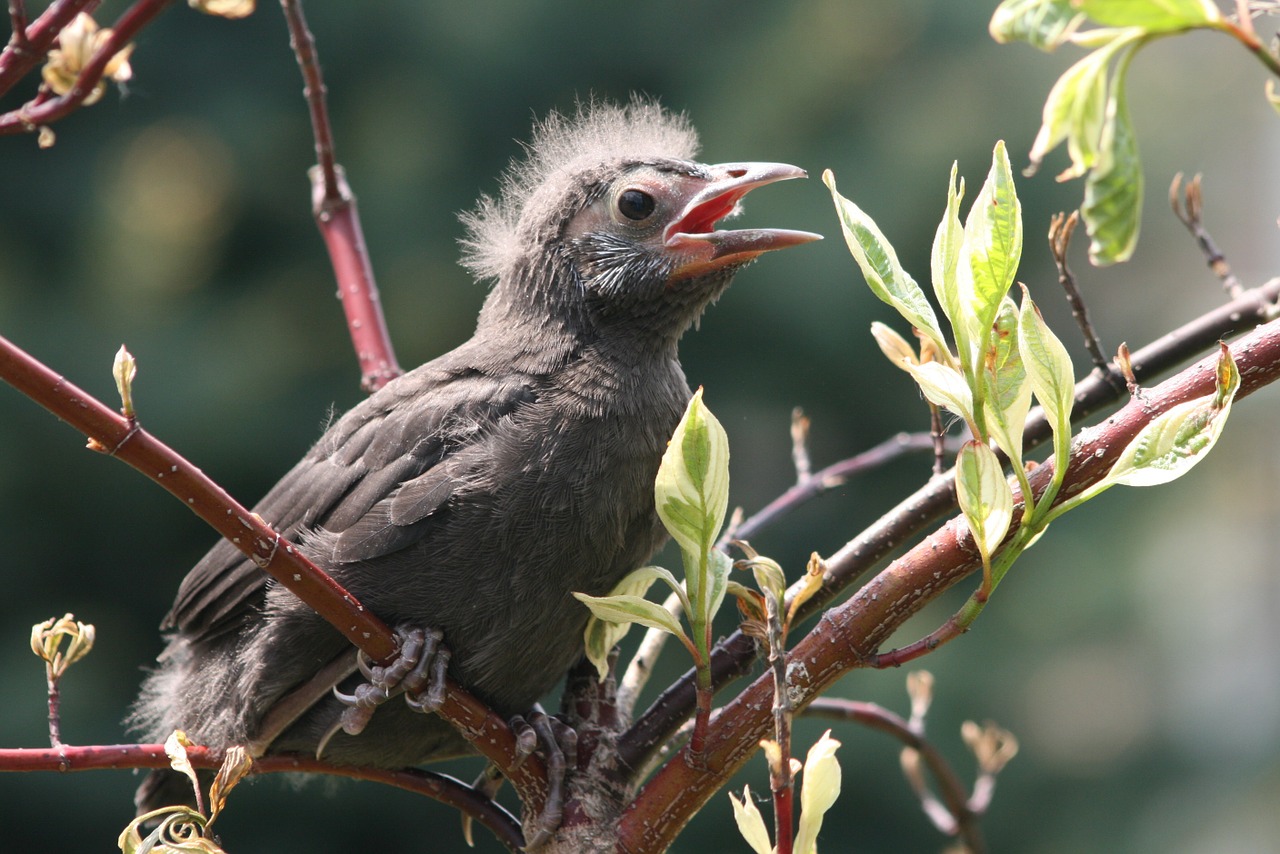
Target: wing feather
point(370, 486)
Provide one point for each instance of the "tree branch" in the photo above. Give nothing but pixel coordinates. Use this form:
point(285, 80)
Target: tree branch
point(732, 657)
point(439, 787)
point(334, 207)
point(19, 57)
point(122, 438)
point(849, 634)
point(40, 112)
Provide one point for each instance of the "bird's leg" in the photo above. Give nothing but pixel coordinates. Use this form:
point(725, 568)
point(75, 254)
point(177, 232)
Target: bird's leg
point(558, 743)
point(417, 671)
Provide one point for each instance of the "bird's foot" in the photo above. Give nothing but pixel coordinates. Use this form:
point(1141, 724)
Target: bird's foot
point(418, 671)
point(558, 743)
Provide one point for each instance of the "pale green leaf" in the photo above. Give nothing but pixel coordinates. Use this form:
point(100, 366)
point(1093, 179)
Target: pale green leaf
point(1070, 109)
point(1112, 208)
point(631, 609)
point(984, 495)
point(1041, 23)
point(818, 792)
point(943, 386)
point(691, 491)
point(1154, 16)
point(881, 268)
point(719, 565)
point(1049, 369)
point(601, 635)
point(1173, 443)
point(1088, 114)
point(1008, 394)
point(993, 240)
point(948, 242)
point(750, 822)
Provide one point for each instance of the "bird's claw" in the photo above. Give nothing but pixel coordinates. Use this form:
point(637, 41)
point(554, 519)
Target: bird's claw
point(558, 742)
point(417, 671)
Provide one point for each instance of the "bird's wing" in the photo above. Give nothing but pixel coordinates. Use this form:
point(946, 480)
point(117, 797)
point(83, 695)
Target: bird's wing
point(397, 444)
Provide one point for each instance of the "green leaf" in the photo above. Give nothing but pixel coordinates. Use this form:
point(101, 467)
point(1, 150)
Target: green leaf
point(1044, 24)
point(1008, 396)
point(881, 268)
point(948, 242)
point(1049, 369)
point(602, 635)
point(1154, 16)
point(691, 491)
point(1112, 207)
point(631, 609)
point(1173, 443)
point(943, 386)
point(984, 495)
point(993, 238)
point(719, 565)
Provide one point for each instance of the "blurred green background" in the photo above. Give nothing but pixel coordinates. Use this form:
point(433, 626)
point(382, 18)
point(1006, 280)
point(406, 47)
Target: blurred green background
point(1134, 652)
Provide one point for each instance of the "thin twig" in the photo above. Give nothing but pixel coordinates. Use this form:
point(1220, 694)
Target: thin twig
point(16, 60)
point(334, 208)
point(781, 780)
point(938, 433)
point(1244, 32)
point(55, 700)
point(800, 445)
point(1061, 227)
point(829, 478)
point(36, 114)
point(1189, 208)
point(439, 787)
point(951, 790)
point(18, 24)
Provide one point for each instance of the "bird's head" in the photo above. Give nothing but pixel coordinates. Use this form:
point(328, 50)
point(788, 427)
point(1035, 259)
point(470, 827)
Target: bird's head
point(610, 222)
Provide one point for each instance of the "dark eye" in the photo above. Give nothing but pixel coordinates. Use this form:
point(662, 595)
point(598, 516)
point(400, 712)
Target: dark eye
point(635, 204)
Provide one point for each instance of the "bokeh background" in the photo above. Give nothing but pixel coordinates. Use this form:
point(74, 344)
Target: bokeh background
point(1134, 652)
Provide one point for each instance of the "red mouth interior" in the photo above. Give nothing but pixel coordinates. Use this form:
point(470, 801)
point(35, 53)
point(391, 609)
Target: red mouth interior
point(703, 218)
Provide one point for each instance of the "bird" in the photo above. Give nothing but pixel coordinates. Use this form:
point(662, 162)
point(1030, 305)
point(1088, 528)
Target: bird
point(474, 494)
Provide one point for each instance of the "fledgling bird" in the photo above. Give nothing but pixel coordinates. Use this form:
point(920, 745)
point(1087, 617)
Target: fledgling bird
point(475, 493)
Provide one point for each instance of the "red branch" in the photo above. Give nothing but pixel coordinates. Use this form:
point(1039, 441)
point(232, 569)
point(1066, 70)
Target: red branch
point(19, 58)
point(43, 112)
point(849, 634)
point(440, 787)
point(124, 439)
point(334, 207)
point(963, 818)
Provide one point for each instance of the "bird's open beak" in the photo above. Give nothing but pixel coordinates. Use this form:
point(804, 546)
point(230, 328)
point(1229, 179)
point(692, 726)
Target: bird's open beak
point(701, 249)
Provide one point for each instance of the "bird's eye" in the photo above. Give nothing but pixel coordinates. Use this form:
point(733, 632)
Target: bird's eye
point(635, 204)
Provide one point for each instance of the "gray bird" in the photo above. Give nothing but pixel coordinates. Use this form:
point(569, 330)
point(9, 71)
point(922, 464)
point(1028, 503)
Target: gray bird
point(475, 493)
